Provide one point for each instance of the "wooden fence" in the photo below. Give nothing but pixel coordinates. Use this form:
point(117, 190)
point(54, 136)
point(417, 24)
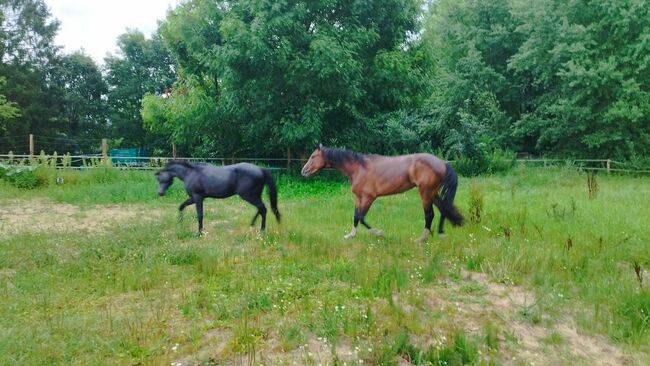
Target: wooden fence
point(91, 161)
point(101, 157)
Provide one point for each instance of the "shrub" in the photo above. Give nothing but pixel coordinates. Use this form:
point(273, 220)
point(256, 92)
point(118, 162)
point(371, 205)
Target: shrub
point(21, 176)
point(497, 161)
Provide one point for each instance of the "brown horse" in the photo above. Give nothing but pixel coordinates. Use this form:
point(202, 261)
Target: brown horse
point(372, 176)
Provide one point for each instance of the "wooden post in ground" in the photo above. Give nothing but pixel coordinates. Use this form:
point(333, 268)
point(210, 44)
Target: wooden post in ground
point(174, 151)
point(31, 146)
point(609, 165)
point(105, 151)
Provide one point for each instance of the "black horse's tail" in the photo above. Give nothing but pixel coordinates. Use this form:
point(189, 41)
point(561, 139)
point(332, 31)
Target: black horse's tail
point(447, 194)
point(273, 193)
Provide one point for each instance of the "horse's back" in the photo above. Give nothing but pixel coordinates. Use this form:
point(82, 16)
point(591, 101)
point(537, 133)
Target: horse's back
point(434, 162)
point(248, 169)
point(245, 179)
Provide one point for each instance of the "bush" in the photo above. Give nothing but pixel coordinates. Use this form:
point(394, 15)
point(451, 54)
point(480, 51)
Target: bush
point(21, 176)
point(497, 161)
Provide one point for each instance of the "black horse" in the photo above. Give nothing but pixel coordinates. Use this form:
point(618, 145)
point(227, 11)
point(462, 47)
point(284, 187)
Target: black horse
point(204, 180)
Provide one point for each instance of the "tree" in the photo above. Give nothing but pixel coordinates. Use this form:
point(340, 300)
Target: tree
point(565, 78)
point(8, 109)
point(473, 102)
point(142, 66)
point(587, 63)
point(83, 115)
point(289, 73)
point(28, 59)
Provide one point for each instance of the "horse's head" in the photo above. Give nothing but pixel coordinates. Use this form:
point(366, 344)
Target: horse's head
point(165, 179)
point(315, 163)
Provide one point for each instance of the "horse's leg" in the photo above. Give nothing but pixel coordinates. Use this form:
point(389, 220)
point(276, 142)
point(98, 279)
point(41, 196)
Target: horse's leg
point(362, 204)
point(427, 203)
point(256, 200)
point(438, 202)
point(187, 202)
point(199, 212)
point(257, 214)
point(353, 232)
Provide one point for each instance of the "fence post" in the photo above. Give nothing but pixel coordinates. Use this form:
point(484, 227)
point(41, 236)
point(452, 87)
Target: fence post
point(105, 151)
point(31, 146)
point(174, 151)
point(608, 165)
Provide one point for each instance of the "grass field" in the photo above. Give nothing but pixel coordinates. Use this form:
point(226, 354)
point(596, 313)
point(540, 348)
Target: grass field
point(99, 270)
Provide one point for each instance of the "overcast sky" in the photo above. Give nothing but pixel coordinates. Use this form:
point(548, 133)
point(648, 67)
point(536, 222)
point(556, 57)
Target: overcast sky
point(95, 24)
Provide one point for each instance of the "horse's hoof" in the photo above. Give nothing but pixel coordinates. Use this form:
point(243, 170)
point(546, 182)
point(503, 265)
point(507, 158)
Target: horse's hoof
point(202, 234)
point(376, 232)
point(425, 235)
point(349, 236)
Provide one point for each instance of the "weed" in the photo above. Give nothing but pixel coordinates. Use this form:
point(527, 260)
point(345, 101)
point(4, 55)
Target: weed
point(553, 339)
point(592, 185)
point(475, 202)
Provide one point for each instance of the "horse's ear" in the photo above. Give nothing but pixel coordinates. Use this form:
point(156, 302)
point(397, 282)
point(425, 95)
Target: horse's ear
point(320, 146)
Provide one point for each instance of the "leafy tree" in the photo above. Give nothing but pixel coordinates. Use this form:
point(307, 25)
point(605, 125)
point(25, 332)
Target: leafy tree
point(588, 65)
point(141, 66)
point(473, 102)
point(8, 109)
point(28, 59)
point(566, 78)
point(288, 73)
point(84, 112)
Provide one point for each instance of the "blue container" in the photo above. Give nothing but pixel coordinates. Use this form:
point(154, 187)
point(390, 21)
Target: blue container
point(128, 156)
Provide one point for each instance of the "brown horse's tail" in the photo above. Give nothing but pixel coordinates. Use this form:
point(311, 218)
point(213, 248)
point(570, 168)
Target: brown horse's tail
point(273, 193)
point(447, 194)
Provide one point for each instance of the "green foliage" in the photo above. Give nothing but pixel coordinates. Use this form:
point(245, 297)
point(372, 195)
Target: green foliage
point(8, 109)
point(635, 309)
point(287, 73)
point(498, 161)
point(21, 176)
point(559, 78)
point(141, 66)
point(29, 60)
point(84, 110)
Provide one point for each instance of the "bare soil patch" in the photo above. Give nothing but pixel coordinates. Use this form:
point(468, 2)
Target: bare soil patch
point(42, 215)
point(497, 303)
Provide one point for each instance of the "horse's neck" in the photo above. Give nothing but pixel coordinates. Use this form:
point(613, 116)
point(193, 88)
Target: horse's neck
point(350, 169)
point(180, 171)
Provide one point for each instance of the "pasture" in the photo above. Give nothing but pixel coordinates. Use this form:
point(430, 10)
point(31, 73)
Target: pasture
point(99, 270)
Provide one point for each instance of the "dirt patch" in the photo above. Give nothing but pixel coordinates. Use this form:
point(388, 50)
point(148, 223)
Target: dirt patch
point(467, 304)
point(570, 346)
point(38, 215)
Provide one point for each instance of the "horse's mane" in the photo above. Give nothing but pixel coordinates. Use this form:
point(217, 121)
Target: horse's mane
point(184, 163)
point(340, 156)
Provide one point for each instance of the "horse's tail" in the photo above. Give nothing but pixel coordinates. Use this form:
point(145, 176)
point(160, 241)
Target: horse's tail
point(447, 194)
point(273, 193)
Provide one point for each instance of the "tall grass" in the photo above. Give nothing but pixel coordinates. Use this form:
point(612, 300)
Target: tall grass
point(147, 292)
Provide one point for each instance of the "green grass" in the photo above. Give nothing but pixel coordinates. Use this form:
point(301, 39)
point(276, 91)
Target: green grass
point(131, 294)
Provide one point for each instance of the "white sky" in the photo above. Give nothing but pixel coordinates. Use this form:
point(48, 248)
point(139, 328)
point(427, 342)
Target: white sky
point(95, 24)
